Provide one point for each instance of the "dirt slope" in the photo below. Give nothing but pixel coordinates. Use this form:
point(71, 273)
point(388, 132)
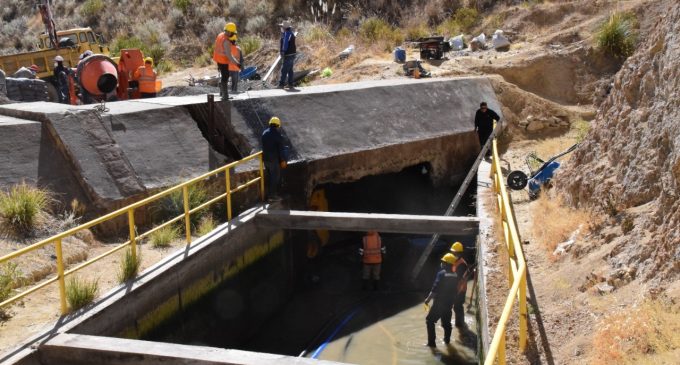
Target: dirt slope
point(630, 162)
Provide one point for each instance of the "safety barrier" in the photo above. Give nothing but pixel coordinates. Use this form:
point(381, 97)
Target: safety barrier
point(517, 268)
point(133, 238)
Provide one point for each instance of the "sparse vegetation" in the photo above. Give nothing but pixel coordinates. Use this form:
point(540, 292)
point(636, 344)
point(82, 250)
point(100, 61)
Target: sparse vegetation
point(627, 224)
point(91, 9)
point(129, 266)
point(646, 334)
point(377, 31)
point(173, 205)
point(21, 207)
point(610, 206)
point(556, 221)
point(80, 292)
point(461, 22)
point(163, 237)
point(206, 225)
point(417, 31)
point(618, 35)
point(250, 44)
point(580, 128)
point(182, 5)
point(9, 279)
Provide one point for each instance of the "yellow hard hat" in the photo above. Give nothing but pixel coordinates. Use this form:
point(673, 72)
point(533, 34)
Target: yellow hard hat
point(275, 121)
point(457, 247)
point(148, 60)
point(230, 27)
point(449, 259)
point(233, 37)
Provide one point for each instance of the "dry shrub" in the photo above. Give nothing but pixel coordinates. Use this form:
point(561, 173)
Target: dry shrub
point(553, 222)
point(645, 334)
point(377, 32)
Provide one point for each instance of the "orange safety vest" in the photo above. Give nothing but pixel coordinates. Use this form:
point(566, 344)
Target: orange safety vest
point(147, 79)
point(236, 53)
point(462, 282)
point(372, 253)
point(219, 54)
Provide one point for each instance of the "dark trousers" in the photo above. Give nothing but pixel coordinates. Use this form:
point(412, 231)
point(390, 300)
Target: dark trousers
point(234, 80)
point(287, 73)
point(483, 135)
point(272, 178)
point(438, 311)
point(224, 78)
point(459, 310)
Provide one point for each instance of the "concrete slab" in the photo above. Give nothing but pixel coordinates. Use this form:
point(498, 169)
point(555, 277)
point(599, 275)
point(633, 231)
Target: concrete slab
point(19, 152)
point(94, 350)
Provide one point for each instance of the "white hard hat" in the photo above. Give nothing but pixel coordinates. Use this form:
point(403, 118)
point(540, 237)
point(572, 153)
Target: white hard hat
point(59, 59)
point(286, 24)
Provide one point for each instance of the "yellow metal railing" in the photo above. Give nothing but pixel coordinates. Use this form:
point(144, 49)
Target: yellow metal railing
point(517, 269)
point(133, 238)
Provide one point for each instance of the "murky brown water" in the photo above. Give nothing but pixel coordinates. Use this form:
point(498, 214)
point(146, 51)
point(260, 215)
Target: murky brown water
point(398, 339)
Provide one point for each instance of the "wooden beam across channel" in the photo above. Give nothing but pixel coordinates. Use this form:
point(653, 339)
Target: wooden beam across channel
point(361, 222)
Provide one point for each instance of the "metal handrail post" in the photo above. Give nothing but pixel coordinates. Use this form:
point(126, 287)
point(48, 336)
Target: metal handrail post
point(227, 176)
point(261, 178)
point(187, 214)
point(60, 276)
point(133, 240)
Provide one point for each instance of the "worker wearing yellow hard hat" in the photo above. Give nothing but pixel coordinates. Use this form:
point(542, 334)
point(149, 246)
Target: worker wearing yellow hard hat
point(461, 268)
point(146, 76)
point(224, 58)
point(235, 50)
point(274, 156)
point(444, 294)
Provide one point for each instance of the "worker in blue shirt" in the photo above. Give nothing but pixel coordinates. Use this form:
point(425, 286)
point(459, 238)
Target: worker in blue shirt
point(288, 51)
point(275, 157)
point(444, 293)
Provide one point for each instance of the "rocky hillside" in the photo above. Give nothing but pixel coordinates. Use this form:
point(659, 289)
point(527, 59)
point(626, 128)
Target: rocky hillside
point(629, 165)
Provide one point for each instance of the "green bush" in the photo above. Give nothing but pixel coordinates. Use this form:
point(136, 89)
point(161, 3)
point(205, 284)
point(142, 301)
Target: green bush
point(465, 18)
point(165, 66)
point(581, 129)
point(173, 205)
point(206, 225)
point(91, 8)
point(80, 293)
point(250, 44)
point(378, 31)
point(418, 31)
point(618, 35)
point(125, 42)
point(21, 207)
point(9, 279)
point(129, 266)
point(182, 5)
point(317, 33)
point(164, 236)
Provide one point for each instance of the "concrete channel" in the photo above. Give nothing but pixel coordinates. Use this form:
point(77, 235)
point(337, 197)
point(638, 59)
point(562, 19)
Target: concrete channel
point(386, 155)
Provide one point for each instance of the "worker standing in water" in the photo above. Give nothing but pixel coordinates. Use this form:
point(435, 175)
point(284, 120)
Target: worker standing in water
point(146, 76)
point(223, 57)
point(460, 268)
point(371, 252)
point(444, 294)
point(274, 156)
point(235, 69)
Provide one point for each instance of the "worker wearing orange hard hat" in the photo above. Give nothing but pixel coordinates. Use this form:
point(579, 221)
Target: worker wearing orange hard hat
point(147, 79)
point(222, 55)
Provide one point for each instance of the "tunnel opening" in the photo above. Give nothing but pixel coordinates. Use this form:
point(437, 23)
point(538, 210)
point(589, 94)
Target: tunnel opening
point(301, 302)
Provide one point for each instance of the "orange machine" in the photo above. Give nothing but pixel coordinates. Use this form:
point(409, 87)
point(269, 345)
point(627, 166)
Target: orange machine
point(98, 75)
point(130, 60)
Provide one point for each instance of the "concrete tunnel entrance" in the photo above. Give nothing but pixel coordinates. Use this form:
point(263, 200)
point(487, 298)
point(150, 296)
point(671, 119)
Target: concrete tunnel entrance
point(292, 304)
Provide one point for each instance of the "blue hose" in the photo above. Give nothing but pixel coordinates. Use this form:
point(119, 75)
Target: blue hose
point(337, 329)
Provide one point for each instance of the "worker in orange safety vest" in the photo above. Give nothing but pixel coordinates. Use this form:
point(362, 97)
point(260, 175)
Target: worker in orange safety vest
point(371, 253)
point(146, 76)
point(222, 55)
point(461, 269)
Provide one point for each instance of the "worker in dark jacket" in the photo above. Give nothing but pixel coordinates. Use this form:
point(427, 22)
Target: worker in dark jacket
point(484, 119)
point(288, 52)
point(274, 155)
point(61, 74)
point(444, 294)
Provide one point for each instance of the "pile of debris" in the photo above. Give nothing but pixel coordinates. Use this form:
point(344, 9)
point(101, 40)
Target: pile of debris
point(23, 86)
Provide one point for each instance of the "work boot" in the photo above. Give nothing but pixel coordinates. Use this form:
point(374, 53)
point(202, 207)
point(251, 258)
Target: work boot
point(224, 91)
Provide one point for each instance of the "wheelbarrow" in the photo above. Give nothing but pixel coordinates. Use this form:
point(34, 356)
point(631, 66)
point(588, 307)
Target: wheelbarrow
point(539, 178)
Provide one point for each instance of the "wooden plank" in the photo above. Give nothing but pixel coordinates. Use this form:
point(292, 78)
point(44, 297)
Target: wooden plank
point(361, 222)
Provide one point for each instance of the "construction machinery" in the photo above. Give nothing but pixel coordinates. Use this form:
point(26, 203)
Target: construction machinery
point(96, 76)
point(432, 48)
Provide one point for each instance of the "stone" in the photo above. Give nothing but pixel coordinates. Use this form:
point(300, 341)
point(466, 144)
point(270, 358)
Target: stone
point(604, 288)
point(535, 125)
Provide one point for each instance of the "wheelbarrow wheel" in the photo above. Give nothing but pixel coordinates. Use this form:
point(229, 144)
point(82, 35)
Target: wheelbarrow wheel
point(517, 180)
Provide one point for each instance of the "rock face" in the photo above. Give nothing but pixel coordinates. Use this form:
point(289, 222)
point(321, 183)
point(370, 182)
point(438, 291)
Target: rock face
point(631, 158)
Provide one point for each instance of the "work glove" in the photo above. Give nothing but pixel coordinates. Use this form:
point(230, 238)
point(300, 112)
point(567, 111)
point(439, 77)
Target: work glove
point(283, 164)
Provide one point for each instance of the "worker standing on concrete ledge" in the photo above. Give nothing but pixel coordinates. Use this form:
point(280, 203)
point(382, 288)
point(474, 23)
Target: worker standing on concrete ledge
point(371, 252)
point(460, 268)
point(223, 57)
point(147, 79)
point(484, 119)
point(275, 157)
point(444, 293)
point(235, 69)
point(288, 52)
